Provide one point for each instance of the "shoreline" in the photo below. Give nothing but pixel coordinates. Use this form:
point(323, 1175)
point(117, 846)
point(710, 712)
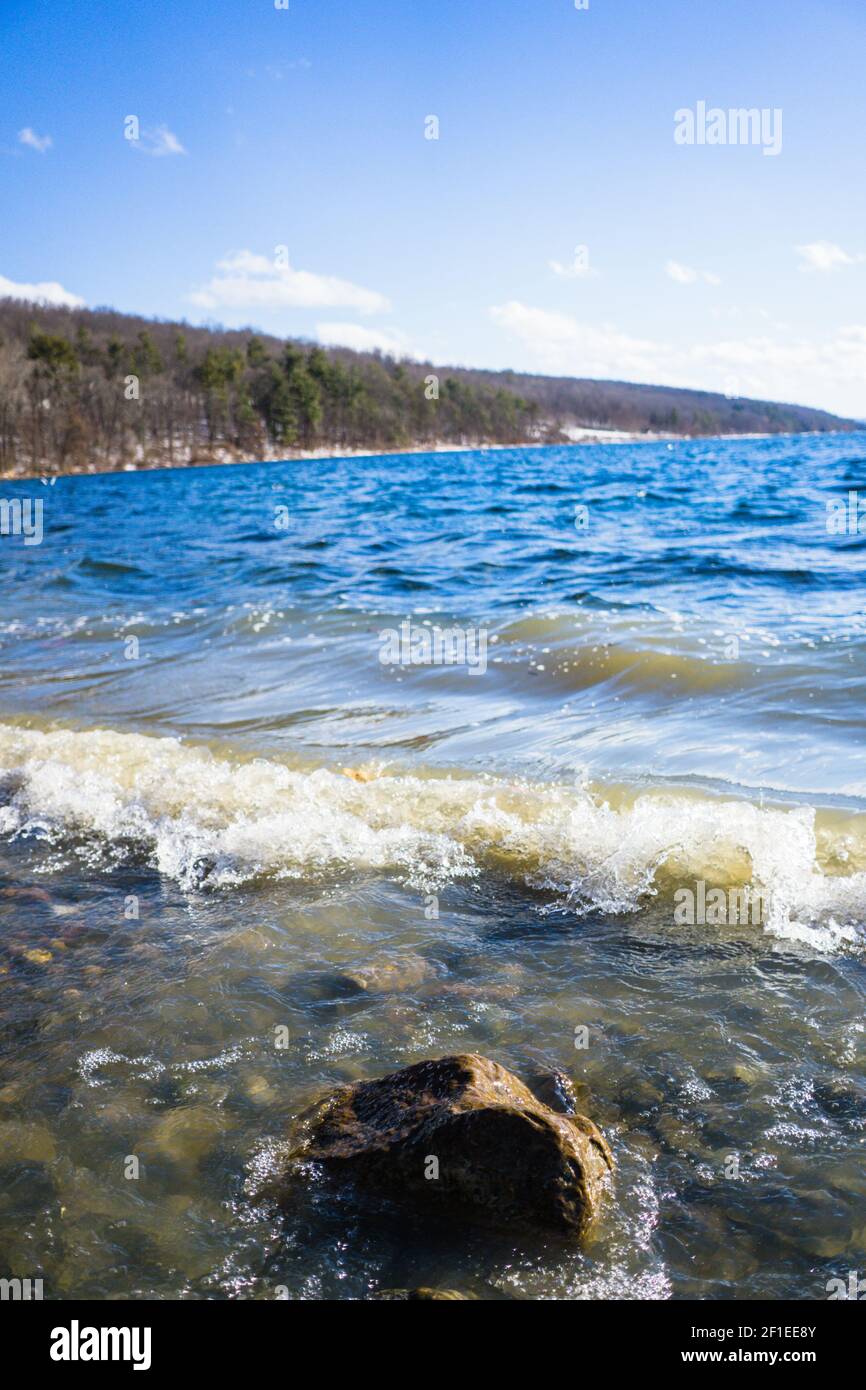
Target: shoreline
point(580, 438)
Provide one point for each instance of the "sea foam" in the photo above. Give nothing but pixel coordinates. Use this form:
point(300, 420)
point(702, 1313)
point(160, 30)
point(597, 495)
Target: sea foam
point(210, 819)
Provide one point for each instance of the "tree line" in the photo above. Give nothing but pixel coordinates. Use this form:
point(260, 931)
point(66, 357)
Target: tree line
point(84, 390)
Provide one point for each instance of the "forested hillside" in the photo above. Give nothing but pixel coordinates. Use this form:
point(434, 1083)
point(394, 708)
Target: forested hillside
point(84, 390)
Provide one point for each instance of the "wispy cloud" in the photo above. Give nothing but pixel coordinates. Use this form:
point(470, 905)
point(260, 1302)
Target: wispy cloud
point(562, 344)
point(363, 339)
point(45, 292)
point(685, 275)
point(830, 372)
point(825, 256)
point(251, 281)
point(28, 137)
point(578, 269)
point(158, 142)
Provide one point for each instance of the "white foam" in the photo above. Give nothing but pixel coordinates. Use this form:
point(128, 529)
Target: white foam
point(203, 817)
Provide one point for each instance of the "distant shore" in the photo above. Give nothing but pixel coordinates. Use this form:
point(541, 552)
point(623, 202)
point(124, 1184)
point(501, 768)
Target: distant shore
point(212, 458)
point(221, 456)
point(93, 391)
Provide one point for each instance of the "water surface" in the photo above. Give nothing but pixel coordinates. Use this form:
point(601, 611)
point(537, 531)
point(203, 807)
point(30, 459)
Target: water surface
point(215, 799)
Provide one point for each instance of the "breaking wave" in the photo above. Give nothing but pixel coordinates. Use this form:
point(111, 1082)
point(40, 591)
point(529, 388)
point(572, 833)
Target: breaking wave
point(209, 818)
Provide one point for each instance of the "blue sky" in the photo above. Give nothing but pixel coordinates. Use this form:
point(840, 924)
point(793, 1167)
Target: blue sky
point(262, 128)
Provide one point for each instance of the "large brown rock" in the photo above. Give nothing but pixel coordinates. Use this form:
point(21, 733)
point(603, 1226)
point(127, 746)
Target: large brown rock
point(499, 1152)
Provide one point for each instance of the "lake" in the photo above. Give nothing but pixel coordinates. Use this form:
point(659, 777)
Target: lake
point(564, 746)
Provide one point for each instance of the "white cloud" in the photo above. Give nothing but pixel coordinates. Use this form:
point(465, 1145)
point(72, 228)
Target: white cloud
point(158, 142)
point(681, 273)
point(684, 275)
point(562, 345)
point(27, 136)
point(45, 292)
point(355, 335)
point(579, 269)
point(250, 281)
point(830, 373)
point(825, 256)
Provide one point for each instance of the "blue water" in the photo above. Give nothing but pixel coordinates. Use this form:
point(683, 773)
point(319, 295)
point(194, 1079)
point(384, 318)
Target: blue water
point(217, 791)
point(702, 623)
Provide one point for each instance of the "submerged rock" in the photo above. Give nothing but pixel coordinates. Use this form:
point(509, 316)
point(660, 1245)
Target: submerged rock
point(734, 1074)
point(386, 976)
point(36, 956)
point(461, 1132)
point(187, 1134)
point(557, 1090)
point(259, 1090)
point(841, 1100)
point(26, 1143)
point(473, 991)
point(26, 894)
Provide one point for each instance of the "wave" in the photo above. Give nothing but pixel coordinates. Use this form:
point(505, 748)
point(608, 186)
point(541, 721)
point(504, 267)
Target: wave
point(212, 818)
point(645, 669)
